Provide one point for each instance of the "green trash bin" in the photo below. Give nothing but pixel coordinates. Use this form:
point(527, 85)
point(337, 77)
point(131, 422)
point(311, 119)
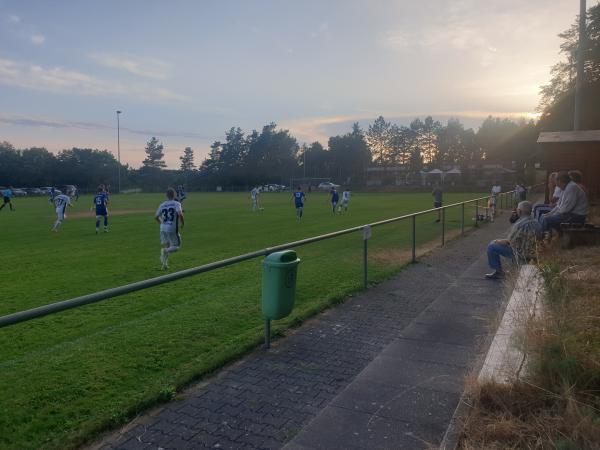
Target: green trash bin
point(279, 284)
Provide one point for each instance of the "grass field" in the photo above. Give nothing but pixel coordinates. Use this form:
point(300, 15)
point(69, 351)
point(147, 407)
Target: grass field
point(68, 376)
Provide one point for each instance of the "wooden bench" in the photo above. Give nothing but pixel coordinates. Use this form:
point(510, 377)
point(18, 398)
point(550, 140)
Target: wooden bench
point(577, 234)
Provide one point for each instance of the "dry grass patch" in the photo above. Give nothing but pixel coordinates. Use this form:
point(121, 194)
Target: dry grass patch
point(557, 404)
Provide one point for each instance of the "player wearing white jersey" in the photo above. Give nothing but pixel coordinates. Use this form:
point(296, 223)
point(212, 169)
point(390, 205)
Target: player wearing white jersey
point(254, 194)
point(170, 217)
point(345, 200)
point(61, 202)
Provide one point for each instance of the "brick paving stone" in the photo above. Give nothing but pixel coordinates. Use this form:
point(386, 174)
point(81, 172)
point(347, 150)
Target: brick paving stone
point(269, 397)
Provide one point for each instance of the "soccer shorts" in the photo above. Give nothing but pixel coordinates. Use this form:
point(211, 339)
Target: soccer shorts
point(437, 204)
point(60, 213)
point(170, 239)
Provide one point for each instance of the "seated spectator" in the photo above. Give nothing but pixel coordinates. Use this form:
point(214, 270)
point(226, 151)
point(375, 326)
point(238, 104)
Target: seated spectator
point(577, 177)
point(520, 244)
point(555, 193)
point(572, 207)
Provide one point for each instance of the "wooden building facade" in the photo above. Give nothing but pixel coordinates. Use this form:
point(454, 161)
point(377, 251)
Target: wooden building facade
point(574, 150)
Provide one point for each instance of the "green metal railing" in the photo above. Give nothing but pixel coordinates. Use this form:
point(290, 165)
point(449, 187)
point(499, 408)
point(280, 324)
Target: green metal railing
point(505, 199)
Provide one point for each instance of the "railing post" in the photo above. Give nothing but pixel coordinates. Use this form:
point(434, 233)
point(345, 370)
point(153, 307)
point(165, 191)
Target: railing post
point(476, 213)
point(462, 218)
point(414, 239)
point(366, 236)
point(365, 264)
point(443, 226)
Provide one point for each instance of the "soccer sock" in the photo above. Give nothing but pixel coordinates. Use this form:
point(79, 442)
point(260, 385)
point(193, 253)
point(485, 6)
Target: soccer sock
point(57, 224)
point(105, 222)
point(97, 223)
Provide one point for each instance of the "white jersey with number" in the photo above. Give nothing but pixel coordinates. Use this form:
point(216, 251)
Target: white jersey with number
point(346, 196)
point(254, 194)
point(169, 212)
point(496, 189)
point(61, 201)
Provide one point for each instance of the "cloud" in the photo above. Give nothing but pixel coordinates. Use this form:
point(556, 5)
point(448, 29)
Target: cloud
point(13, 18)
point(322, 29)
point(38, 39)
point(59, 80)
point(44, 122)
point(315, 128)
point(144, 67)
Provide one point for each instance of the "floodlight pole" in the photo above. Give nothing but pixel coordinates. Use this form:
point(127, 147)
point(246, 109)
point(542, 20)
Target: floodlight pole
point(119, 150)
point(579, 81)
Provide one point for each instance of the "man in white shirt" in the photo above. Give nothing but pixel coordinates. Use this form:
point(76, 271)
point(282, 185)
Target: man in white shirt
point(169, 215)
point(573, 206)
point(345, 200)
point(254, 194)
point(61, 202)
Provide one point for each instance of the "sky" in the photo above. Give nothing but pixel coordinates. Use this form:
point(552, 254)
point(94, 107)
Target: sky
point(187, 71)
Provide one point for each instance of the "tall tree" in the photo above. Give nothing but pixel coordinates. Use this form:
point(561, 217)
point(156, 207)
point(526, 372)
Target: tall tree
point(350, 155)
point(378, 138)
point(187, 160)
point(154, 155)
point(401, 140)
point(557, 97)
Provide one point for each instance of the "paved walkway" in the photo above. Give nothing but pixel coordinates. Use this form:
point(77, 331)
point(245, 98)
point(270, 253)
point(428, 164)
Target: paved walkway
point(383, 370)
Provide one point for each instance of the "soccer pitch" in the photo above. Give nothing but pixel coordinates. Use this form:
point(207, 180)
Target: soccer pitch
point(68, 376)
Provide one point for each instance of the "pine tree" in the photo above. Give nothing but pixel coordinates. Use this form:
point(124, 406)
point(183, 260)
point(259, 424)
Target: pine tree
point(155, 154)
point(187, 160)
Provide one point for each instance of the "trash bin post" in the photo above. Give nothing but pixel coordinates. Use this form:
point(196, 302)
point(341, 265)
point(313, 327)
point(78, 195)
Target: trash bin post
point(267, 333)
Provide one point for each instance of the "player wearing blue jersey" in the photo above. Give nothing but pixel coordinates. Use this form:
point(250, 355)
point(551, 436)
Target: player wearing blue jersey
point(6, 197)
point(170, 217)
point(299, 199)
point(181, 195)
point(335, 198)
point(100, 202)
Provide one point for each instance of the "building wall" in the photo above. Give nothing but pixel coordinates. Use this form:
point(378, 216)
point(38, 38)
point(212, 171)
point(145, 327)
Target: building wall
point(584, 157)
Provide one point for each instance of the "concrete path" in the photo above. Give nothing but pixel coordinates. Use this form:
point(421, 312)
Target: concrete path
point(384, 370)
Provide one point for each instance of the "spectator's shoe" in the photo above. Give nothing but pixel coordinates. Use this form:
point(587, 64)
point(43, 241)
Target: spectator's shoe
point(495, 275)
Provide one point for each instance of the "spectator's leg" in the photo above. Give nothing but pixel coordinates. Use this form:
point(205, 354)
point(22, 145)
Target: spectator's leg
point(494, 251)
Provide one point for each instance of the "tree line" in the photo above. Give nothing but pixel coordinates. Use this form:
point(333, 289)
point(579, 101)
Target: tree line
point(273, 155)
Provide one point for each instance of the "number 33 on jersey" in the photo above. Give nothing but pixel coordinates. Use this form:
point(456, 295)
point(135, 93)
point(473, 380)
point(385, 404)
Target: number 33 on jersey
point(169, 213)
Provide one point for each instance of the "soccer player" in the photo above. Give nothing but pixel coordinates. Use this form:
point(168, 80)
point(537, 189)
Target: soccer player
point(299, 199)
point(255, 194)
point(61, 202)
point(100, 202)
point(345, 200)
point(7, 196)
point(52, 194)
point(181, 196)
point(169, 214)
point(335, 197)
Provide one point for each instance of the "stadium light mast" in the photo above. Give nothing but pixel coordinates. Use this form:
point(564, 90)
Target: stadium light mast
point(119, 151)
point(579, 81)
